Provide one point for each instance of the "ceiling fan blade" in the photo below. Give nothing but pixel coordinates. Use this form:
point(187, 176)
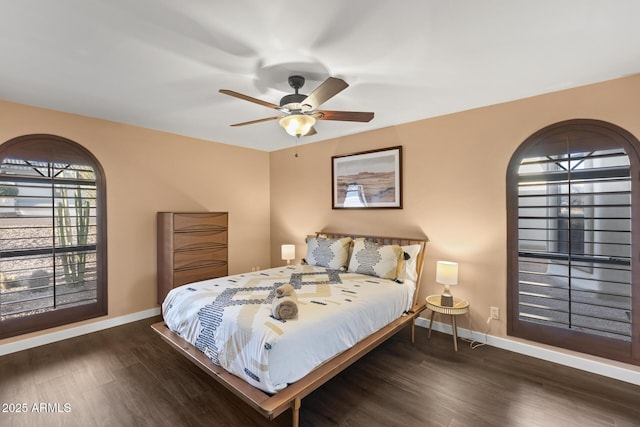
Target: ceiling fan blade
point(249, 98)
point(328, 89)
point(347, 116)
point(256, 121)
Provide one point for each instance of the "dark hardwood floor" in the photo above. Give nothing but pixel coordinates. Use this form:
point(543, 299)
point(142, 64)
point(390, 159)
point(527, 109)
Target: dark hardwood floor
point(127, 376)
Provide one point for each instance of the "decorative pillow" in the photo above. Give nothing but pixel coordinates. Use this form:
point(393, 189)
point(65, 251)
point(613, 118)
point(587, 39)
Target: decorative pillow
point(410, 267)
point(330, 253)
point(375, 260)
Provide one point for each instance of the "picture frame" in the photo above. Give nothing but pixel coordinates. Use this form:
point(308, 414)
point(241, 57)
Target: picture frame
point(367, 180)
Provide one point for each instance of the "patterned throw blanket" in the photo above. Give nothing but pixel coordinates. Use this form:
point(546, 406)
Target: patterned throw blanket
point(230, 319)
point(212, 314)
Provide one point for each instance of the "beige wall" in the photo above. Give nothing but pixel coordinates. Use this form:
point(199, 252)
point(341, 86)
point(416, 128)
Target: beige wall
point(149, 171)
point(454, 185)
point(454, 188)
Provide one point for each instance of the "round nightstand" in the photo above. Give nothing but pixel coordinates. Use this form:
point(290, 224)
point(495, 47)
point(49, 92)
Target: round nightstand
point(459, 307)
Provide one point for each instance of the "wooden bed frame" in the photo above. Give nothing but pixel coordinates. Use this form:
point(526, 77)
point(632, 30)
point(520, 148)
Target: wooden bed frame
point(272, 405)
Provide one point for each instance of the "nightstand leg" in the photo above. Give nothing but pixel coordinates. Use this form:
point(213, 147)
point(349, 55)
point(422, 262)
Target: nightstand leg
point(455, 332)
point(431, 324)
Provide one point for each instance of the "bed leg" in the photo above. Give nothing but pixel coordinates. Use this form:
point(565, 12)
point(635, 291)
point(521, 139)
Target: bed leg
point(295, 408)
point(413, 331)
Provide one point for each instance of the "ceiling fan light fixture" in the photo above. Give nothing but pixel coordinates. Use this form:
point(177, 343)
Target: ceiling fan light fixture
point(301, 111)
point(297, 124)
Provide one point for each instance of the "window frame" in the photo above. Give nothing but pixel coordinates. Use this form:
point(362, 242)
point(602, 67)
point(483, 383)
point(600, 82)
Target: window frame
point(610, 348)
point(57, 149)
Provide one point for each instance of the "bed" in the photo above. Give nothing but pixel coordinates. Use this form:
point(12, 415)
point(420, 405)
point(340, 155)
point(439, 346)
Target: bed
point(226, 325)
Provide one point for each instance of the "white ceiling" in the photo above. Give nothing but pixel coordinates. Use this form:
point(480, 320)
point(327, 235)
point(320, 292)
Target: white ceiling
point(159, 63)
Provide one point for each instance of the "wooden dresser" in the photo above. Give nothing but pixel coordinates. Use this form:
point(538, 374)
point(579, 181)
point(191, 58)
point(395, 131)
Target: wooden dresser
point(192, 246)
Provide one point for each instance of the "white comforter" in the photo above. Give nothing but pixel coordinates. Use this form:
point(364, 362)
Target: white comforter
point(229, 319)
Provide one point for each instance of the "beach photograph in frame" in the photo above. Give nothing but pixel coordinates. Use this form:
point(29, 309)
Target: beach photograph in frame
point(369, 179)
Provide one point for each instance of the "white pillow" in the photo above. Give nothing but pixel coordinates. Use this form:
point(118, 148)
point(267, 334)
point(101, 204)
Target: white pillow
point(330, 253)
point(375, 260)
point(410, 267)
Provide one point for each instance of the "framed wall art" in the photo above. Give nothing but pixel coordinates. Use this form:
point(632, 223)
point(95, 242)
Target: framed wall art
point(370, 179)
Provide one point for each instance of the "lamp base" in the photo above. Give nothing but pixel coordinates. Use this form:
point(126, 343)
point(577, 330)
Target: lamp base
point(446, 300)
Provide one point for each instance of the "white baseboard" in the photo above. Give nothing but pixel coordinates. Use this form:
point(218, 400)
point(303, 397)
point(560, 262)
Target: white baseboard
point(24, 344)
point(593, 366)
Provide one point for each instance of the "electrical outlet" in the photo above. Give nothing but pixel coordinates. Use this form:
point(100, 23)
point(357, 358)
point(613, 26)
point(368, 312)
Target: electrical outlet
point(495, 313)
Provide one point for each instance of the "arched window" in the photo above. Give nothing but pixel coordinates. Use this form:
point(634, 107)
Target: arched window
point(572, 201)
point(52, 234)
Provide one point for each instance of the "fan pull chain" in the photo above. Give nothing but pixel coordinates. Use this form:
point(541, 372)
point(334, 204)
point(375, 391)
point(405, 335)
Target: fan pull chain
point(297, 139)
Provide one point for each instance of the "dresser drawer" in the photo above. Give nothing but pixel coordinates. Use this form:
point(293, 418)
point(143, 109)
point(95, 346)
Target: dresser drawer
point(199, 221)
point(199, 239)
point(182, 277)
point(199, 258)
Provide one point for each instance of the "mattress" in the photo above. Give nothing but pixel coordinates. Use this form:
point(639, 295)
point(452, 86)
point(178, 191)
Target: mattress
point(229, 319)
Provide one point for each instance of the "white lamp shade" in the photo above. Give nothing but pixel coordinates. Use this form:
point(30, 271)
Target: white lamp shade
point(288, 252)
point(297, 124)
point(447, 273)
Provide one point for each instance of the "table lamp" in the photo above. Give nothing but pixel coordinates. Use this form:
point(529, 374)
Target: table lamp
point(288, 252)
point(447, 274)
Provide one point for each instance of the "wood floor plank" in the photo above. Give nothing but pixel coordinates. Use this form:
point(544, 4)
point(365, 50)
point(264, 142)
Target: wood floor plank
point(127, 376)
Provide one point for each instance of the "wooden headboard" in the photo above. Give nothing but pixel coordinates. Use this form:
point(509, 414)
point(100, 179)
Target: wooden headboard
point(382, 240)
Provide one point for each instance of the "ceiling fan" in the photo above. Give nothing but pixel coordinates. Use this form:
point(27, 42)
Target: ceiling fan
point(301, 111)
